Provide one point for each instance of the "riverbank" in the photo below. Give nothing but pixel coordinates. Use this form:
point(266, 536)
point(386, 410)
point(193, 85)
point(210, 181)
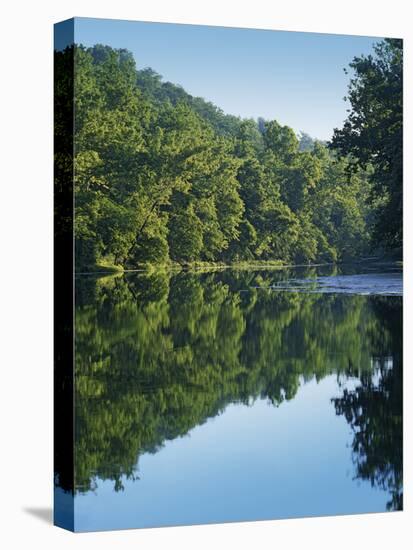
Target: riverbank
point(106, 267)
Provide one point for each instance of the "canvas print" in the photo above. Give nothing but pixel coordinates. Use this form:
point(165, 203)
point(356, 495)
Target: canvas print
point(228, 274)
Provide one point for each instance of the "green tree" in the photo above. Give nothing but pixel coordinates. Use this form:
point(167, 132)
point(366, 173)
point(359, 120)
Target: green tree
point(373, 133)
point(185, 235)
point(152, 165)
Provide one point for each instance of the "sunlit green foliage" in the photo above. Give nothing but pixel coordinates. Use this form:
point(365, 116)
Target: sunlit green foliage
point(161, 177)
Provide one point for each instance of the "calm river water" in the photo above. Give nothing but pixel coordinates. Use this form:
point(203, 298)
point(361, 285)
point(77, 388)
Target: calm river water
point(237, 395)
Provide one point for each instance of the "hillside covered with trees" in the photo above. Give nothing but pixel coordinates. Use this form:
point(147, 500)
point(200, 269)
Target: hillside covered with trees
point(162, 177)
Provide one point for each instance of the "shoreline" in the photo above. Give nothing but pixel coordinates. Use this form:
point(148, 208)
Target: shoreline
point(205, 266)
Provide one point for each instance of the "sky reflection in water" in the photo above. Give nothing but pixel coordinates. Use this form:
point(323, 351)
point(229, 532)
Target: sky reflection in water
point(210, 397)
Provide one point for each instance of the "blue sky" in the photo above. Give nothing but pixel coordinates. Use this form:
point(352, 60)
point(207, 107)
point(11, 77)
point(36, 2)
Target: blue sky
point(296, 78)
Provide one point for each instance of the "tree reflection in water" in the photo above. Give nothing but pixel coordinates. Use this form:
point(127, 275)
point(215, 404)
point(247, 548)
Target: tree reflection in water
point(158, 354)
point(374, 408)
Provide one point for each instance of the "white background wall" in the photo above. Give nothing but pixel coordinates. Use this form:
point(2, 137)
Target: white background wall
point(26, 271)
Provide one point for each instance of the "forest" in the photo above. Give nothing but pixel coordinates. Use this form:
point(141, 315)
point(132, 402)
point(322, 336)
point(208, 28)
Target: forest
point(163, 178)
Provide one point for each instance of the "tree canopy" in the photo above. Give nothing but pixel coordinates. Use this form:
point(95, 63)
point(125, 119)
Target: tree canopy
point(373, 134)
point(162, 176)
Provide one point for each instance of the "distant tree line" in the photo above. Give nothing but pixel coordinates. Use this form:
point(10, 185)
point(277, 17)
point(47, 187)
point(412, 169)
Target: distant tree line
point(161, 176)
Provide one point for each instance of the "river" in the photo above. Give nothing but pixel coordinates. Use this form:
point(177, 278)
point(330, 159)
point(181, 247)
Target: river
point(237, 395)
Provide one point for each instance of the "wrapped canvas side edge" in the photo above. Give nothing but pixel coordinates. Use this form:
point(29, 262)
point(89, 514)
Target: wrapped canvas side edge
point(63, 277)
